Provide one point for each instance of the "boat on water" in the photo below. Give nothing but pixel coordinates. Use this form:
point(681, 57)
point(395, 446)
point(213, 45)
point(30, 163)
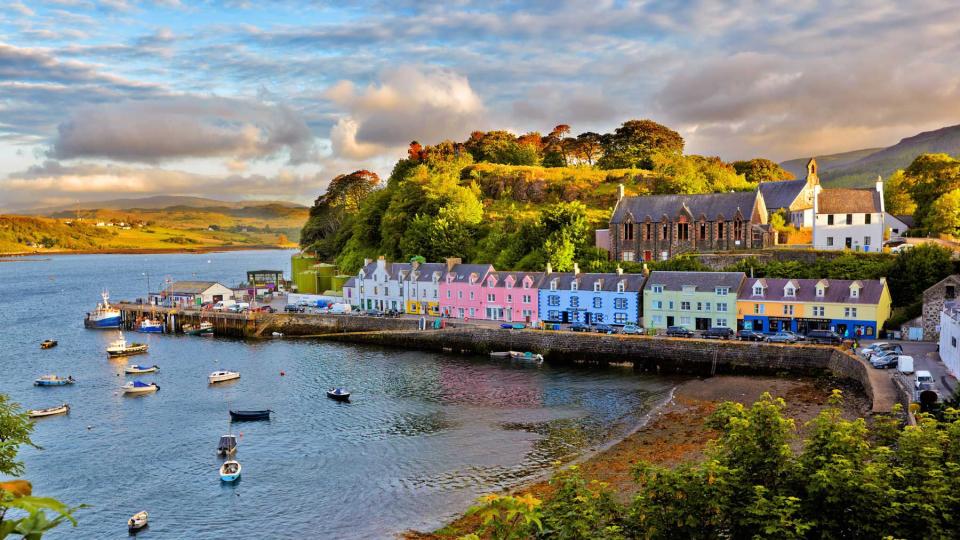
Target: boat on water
point(239, 416)
point(50, 411)
point(338, 394)
point(53, 380)
point(150, 326)
point(227, 445)
point(527, 356)
point(139, 387)
point(48, 344)
point(105, 316)
point(120, 347)
point(138, 521)
point(230, 471)
point(137, 369)
point(223, 376)
point(502, 354)
point(205, 328)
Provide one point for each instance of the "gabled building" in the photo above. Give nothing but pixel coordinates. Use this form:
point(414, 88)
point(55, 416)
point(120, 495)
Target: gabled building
point(589, 298)
point(512, 296)
point(422, 288)
point(461, 291)
point(801, 305)
point(794, 196)
point(658, 227)
point(934, 299)
point(693, 300)
point(897, 225)
point(379, 285)
point(849, 219)
point(192, 293)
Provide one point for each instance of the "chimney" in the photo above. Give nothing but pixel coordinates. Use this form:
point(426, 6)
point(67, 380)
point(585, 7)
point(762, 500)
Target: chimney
point(415, 264)
point(646, 270)
point(381, 263)
point(549, 269)
point(367, 261)
point(879, 186)
point(576, 269)
point(619, 270)
point(451, 262)
point(619, 191)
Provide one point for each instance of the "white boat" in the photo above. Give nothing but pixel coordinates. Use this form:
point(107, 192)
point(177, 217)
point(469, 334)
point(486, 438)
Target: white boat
point(223, 376)
point(527, 356)
point(53, 380)
point(502, 354)
point(150, 326)
point(120, 347)
point(204, 329)
point(137, 387)
point(137, 521)
point(230, 471)
point(51, 411)
point(105, 316)
point(137, 369)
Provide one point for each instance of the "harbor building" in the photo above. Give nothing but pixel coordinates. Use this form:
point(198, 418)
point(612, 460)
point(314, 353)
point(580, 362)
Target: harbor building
point(588, 298)
point(461, 291)
point(422, 288)
point(693, 300)
point(192, 293)
point(512, 296)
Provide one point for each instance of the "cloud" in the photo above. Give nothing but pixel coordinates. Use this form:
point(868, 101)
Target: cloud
point(18, 7)
point(162, 129)
point(410, 102)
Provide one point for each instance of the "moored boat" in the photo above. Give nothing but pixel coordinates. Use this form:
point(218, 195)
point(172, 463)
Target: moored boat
point(105, 316)
point(137, 369)
point(223, 376)
point(230, 471)
point(338, 394)
point(205, 328)
point(527, 356)
point(138, 521)
point(150, 326)
point(53, 380)
point(250, 415)
point(48, 344)
point(50, 411)
point(138, 387)
point(227, 445)
point(501, 354)
point(120, 347)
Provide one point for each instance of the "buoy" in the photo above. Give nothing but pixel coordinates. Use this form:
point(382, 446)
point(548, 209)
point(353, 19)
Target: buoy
point(282, 373)
point(89, 427)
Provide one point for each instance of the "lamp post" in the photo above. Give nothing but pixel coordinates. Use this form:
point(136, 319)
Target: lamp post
point(147, 274)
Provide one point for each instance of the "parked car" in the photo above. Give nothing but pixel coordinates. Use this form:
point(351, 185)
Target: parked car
point(718, 333)
point(604, 329)
point(800, 337)
point(679, 331)
point(750, 335)
point(924, 380)
point(885, 361)
point(824, 336)
point(579, 327)
point(878, 348)
point(291, 308)
point(373, 313)
point(393, 313)
point(781, 337)
point(632, 329)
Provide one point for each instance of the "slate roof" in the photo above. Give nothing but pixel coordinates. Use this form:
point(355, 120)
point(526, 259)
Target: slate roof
point(461, 272)
point(190, 287)
point(838, 291)
point(710, 205)
point(425, 271)
point(703, 281)
point(518, 278)
point(778, 195)
point(585, 281)
point(905, 219)
point(848, 201)
point(352, 282)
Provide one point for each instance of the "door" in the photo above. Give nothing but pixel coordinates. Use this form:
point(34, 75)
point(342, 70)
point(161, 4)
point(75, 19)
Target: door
point(703, 323)
point(670, 320)
point(848, 242)
point(565, 317)
point(586, 317)
point(647, 255)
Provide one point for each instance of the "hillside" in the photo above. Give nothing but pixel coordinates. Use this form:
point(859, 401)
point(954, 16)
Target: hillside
point(861, 167)
point(157, 202)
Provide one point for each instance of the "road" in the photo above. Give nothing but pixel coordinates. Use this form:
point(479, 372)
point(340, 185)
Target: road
point(925, 357)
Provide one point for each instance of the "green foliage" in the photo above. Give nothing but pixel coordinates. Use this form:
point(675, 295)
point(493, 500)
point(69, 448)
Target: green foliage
point(928, 178)
point(693, 174)
point(915, 270)
point(761, 170)
point(944, 215)
point(506, 517)
point(15, 429)
point(578, 509)
point(331, 210)
point(35, 523)
point(896, 195)
point(635, 143)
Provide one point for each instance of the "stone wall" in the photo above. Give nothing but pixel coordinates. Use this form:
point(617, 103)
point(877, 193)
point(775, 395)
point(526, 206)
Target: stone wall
point(933, 300)
point(302, 324)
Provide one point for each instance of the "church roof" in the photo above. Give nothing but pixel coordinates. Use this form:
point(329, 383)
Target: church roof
point(778, 195)
point(710, 205)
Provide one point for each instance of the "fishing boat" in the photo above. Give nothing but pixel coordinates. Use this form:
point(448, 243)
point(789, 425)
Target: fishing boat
point(137, 369)
point(137, 521)
point(239, 416)
point(230, 471)
point(338, 394)
point(223, 376)
point(502, 354)
point(139, 387)
point(205, 328)
point(227, 445)
point(527, 356)
point(150, 326)
point(48, 344)
point(120, 347)
point(51, 411)
point(105, 316)
point(53, 380)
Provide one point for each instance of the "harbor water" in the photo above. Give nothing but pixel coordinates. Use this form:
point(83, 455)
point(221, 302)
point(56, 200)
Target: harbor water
point(424, 435)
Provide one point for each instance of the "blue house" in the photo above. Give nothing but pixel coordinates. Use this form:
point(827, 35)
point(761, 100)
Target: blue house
point(590, 298)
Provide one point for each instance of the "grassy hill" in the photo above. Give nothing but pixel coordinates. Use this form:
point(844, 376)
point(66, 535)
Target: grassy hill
point(157, 202)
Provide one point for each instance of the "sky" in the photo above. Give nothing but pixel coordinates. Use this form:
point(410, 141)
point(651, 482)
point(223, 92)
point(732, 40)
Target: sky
point(269, 99)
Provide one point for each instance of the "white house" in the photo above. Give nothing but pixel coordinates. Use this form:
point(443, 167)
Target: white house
point(849, 218)
point(192, 293)
point(949, 337)
point(897, 225)
point(379, 285)
point(422, 288)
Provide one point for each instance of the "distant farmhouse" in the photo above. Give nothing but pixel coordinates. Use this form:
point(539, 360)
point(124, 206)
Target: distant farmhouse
point(849, 219)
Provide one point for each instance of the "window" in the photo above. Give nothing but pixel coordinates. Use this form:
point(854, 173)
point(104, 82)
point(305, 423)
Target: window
point(618, 318)
point(949, 292)
point(491, 297)
point(526, 299)
point(473, 312)
point(621, 287)
point(462, 312)
point(657, 304)
point(789, 291)
point(574, 301)
point(849, 219)
point(758, 290)
point(685, 306)
point(553, 285)
point(703, 231)
point(707, 306)
point(553, 300)
point(849, 312)
point(953, 342)
point(596, 286)
point(656, 319)
point(758, 309)
point(699, 306)
point(471, 295)
point(866, 240)
point(684, 321)
point(720, 230)
point(435, 293)
point(721, 323)
point(683, 231)
point(821, 291)
point(829, 219)
point(574, 285)
point(598, 317)
point(597, 302)
point(829, 240)
point(855, 292)
point(527, 313)
point(722, 306)
point(628, 231)
point(448, 294)
point(722, 291)
point(788, 309)
point(818, 311)
point(553, 315)
point(627, 256)
point(670, 304)
point(867, 218)
point(657, 289)
point(460, 295)
point(375, 290)
point(663, 232)
point(621, 303)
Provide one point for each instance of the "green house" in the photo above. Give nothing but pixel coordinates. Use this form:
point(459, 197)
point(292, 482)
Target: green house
point(694, 300)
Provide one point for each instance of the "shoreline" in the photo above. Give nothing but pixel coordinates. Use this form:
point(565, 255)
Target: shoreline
point(142, 251)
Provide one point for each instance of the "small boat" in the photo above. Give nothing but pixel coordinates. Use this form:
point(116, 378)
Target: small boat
point(338, 394)
point(502, 354)
point(227, 445)
point(120, 347)
point(150, 326)
point(105, 316)
point(239, 416)
point(528, 356)
point(230, 471)
point(138, 387)
point(137, 369)
point(48, 344)
point(205, 328)
point(137, 521)
point(53, 380)
point(51, 411)
point(223, 376)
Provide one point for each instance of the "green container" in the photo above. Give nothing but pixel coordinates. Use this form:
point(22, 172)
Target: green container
point(307, 282)
point(300, 262)
point(338, 282)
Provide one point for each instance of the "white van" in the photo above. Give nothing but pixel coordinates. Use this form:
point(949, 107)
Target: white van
point(223, 304)
point(340, 308)
point(905, 364)
point(924, 379)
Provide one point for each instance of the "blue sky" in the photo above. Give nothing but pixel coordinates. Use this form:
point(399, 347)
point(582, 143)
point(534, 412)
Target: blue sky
point(271, 99)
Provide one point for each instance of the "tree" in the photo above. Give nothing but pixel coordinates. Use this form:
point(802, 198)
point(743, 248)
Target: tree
point(944, 214)
point(15, 429)
point(635, 143)
point(896, 195)
point(928, 178)
point(342, 199)
point(761, 170)
point(915, 270)
point(588, 147)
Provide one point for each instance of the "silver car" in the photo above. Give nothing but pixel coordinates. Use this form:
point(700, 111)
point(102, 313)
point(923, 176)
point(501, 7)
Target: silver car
point(781, 337)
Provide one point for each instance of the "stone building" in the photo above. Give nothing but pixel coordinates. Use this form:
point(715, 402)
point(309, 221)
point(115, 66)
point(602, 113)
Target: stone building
point(794, 196)
point(933, 301)
point(658, 227)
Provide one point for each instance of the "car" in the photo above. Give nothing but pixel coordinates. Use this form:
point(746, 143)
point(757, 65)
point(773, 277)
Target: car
point(267, 309)
point(881, 348)
point(749, 335)
point(373, 313)
point(632, 329)
point(679, 331)
point(924, 380)
point(579, 327)
point(292, 308)
point(781, 337)
point(800, 337)
point(885, 361)
point(824, 336)
point(873, 347)
point(718, 333)
point(604, 329)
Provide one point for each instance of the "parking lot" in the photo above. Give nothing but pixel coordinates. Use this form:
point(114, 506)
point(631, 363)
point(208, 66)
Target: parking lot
point(925, 358)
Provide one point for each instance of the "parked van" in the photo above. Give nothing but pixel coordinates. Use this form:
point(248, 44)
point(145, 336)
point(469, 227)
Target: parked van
point(924, 379)
point(223, 304)
point(340, 308)
point(905, 364)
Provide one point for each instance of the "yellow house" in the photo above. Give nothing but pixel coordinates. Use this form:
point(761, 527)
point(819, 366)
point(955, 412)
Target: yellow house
point(848, 307)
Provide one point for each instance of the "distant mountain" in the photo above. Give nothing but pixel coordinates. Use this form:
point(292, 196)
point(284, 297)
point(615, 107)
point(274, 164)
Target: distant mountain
point(159, 202)
point(860, 168)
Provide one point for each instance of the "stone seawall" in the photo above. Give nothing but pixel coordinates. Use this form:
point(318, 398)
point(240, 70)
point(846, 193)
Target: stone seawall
point(312, 325)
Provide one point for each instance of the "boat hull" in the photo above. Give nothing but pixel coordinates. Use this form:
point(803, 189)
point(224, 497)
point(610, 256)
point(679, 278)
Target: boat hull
point(97, 322)
point(150, 329)
point(52, 383)
point(134, 371)
point(243, 416)
point(339, 397)
point(40, 413)
point(229, 477)
point(48, 344)
point(139, 390)
point(130, 351)
point(214, 379)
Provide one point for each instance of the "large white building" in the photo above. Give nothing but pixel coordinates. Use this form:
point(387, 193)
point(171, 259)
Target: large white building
point(379, 285)
point(849, 218)
point(950, 337)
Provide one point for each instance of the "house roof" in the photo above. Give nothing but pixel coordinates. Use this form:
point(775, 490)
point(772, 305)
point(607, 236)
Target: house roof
point(905, 219)
point(710, 205)
point(778, 195)
point(848, 201)
point(190, 287)
point(518, 278)
point(352, 282)
point(461, 272)
point(837, 291)
point(703, 281)
point(585, 281)
point(425, 271)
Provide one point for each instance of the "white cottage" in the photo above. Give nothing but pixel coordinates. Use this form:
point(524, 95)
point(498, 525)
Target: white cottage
point(379, 285)
point(849, 219)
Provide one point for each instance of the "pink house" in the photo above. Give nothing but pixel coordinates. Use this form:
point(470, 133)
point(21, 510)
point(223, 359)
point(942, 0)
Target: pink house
point(461, 290)
point(511, 296)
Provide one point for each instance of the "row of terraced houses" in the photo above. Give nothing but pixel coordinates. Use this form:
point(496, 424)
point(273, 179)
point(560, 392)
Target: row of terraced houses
point(655, 300)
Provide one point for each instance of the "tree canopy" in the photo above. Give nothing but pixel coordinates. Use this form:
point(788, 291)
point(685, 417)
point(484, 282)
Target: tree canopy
point(761, 170)
point(636, 143)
